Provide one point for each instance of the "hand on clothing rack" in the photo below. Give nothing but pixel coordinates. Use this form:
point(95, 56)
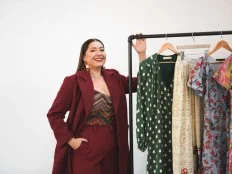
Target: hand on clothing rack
point(140, 48)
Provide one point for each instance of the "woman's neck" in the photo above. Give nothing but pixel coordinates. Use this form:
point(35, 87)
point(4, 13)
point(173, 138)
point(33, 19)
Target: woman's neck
point(95, 73)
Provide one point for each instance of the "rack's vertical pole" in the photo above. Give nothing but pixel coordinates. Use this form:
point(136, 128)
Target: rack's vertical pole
point(130, 105)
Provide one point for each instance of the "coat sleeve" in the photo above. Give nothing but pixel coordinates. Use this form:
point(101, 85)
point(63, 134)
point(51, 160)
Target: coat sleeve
point(125, 82)
point(56, 113)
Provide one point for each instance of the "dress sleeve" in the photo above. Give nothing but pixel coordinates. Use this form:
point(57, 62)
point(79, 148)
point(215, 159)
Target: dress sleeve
point(196, 75)
point(224, 74)
point(141, 105)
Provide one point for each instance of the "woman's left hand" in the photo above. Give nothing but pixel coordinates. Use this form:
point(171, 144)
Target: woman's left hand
point(140, 48)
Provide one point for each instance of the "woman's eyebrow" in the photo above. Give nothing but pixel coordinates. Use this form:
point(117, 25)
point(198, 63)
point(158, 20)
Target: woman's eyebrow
point(95, 47)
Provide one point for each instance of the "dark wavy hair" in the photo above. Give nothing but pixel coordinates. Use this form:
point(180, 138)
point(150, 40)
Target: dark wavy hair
point(84, 47)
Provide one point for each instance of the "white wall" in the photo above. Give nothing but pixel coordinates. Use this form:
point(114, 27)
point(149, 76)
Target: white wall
point(40, 42)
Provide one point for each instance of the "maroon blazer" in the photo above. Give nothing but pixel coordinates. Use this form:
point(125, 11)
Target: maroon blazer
point(76, 96)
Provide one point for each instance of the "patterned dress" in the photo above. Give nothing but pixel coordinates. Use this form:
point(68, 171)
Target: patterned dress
point(154, 113)
point(224, 77)
point(182, 123)
point(197, 123)
point(215, 118)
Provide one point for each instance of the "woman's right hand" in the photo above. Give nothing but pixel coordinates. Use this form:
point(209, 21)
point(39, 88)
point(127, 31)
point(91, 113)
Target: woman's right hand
point(76, 142)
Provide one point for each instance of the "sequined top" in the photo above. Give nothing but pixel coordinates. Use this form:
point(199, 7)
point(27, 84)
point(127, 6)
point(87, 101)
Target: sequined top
point(102, 112)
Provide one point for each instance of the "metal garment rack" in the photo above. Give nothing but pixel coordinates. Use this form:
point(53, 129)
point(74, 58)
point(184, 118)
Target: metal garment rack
point(130, 39)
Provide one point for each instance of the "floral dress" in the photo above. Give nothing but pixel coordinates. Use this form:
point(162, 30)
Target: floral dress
point(224, 77)
point(215, 118)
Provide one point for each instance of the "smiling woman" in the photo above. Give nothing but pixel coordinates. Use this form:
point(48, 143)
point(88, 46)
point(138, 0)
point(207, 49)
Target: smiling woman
point(95, 55)
point(95, 136)
point(92, 49)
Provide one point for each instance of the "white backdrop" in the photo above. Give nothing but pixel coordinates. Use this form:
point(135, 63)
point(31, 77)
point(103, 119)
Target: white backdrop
point(40, 42)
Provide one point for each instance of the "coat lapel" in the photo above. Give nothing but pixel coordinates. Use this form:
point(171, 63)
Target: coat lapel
point(113, 87)
point(86, 87)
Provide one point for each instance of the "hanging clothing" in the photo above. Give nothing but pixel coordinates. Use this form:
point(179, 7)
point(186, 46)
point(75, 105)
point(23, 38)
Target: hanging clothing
point(216, 116)
point(186, 121)
point(197, 122)
point(182, 126)
point(224, 77)
point(154, 112)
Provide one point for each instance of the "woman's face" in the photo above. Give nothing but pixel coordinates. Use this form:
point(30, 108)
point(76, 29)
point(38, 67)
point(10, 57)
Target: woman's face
point(95, 55)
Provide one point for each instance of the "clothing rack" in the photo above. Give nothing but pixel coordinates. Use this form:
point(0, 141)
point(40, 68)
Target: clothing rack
point(130, 38)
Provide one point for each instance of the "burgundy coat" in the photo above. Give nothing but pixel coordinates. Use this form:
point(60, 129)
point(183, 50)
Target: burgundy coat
point(76, 96)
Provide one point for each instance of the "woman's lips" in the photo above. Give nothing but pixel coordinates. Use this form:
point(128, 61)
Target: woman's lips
point(98, 59)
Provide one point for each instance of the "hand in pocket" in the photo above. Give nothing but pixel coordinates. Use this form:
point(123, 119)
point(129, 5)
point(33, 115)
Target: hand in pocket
point(75, 143)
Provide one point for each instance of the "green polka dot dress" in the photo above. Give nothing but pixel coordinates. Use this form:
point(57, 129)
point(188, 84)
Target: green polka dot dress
point(154, 112)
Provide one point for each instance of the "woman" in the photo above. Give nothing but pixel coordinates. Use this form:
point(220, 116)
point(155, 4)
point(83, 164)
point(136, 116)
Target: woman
point(95, 137)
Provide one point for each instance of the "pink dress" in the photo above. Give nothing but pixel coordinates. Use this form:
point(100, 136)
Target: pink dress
point(224, 77)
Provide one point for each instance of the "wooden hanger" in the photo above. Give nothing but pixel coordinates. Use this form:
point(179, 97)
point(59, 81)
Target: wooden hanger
point(182, 47)
point(168, 46)
point(220, 44)
point(194, 46)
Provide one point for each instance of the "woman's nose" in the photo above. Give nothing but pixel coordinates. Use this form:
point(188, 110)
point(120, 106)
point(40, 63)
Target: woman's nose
point(99, 52)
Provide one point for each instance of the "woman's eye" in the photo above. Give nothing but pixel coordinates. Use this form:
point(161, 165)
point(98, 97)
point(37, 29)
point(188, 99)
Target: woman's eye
point(102, 50)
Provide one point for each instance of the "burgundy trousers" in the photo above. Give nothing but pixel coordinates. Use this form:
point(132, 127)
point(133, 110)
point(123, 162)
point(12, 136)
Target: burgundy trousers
point(99, 155)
